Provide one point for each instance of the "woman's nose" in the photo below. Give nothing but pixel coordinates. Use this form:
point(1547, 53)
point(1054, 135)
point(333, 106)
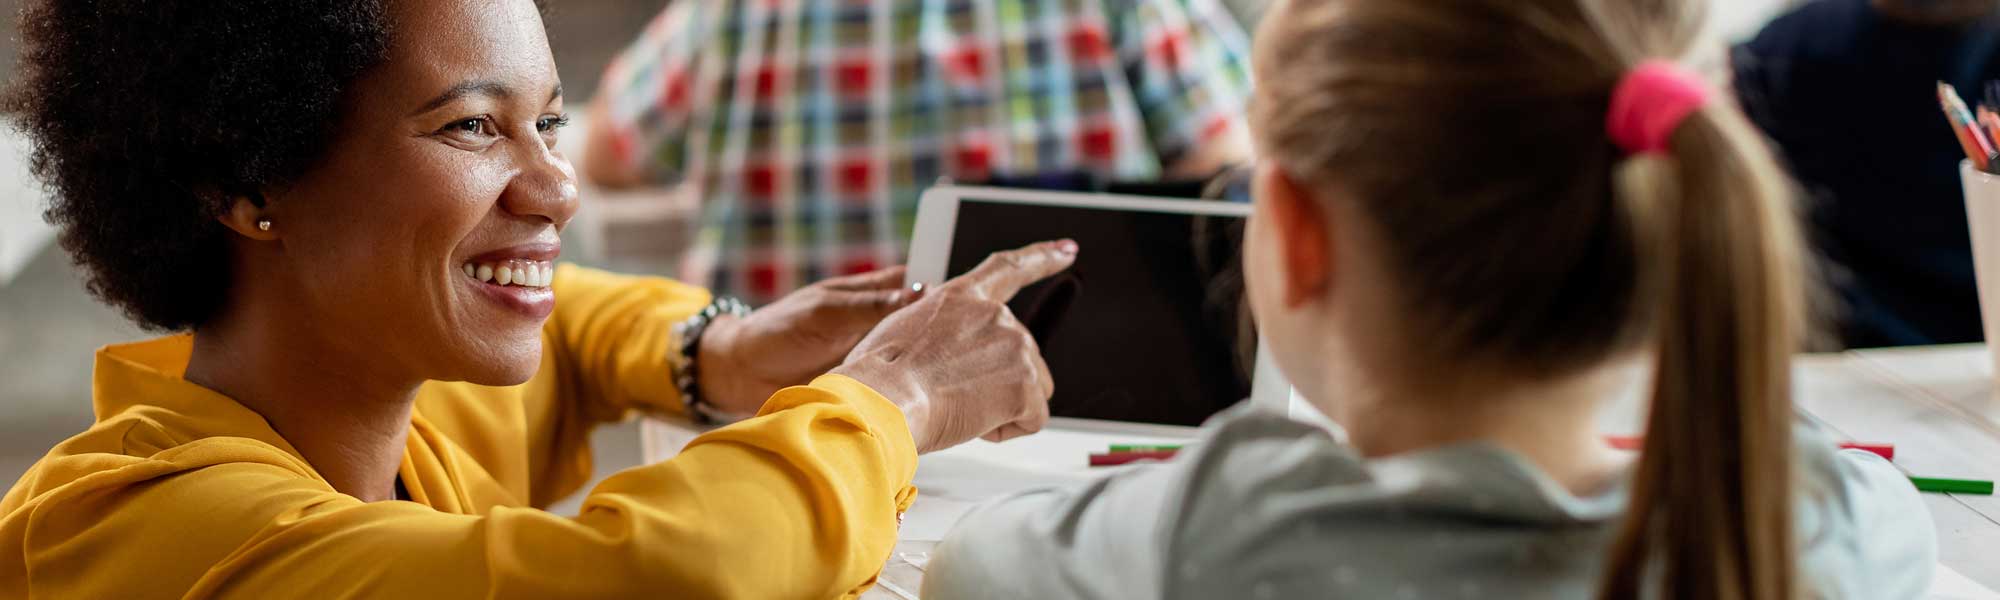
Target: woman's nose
point(545, 186)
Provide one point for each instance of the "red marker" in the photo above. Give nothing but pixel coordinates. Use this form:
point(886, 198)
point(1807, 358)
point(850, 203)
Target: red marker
point(1119, 458)
point(1633, 442)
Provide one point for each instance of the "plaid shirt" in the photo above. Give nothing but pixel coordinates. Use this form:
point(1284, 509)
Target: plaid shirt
point(812, 126)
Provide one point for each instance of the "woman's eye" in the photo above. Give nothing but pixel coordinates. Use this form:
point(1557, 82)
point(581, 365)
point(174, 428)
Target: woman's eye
point(474, 126)
point(549, 124)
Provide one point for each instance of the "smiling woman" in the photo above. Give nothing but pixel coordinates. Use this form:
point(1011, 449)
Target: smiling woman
point(346, 215)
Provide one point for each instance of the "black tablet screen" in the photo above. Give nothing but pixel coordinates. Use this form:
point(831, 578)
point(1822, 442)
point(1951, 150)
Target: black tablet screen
point(1149, 326)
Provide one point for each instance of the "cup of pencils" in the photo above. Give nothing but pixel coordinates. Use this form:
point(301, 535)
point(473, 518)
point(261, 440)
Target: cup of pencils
point(1977, 133)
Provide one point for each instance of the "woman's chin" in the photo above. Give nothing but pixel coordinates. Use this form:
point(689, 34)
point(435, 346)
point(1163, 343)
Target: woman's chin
point(513, 365)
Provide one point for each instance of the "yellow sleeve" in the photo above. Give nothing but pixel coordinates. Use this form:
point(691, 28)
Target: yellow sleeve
point(609, 337)
point(798, 502)
point(604, 353)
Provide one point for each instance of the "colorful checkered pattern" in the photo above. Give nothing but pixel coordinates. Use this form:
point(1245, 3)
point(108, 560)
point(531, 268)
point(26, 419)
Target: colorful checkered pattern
point(812, 126)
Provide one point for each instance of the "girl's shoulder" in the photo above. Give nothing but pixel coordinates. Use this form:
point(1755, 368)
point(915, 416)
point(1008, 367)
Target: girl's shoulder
point(1863, 529)
point(1280, 490)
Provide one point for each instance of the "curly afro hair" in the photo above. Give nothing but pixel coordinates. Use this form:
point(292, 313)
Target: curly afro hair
point(147, 116)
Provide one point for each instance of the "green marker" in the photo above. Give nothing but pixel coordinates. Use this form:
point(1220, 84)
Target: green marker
point(1145, 447)
point(1954, 486)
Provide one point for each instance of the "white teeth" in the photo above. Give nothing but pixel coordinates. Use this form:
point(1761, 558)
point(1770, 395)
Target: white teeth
point(515, 272)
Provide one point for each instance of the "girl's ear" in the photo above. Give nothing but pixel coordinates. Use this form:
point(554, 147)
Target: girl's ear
point(1304, 237)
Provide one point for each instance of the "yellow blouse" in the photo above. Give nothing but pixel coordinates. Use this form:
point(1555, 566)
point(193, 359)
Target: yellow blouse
point(178, 491)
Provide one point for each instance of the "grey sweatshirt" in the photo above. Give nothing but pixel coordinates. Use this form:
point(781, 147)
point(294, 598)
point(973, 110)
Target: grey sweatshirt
point(1266, 507)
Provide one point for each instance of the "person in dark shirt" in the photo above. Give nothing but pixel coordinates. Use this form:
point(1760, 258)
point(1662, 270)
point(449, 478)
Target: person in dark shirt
point(1847, 91)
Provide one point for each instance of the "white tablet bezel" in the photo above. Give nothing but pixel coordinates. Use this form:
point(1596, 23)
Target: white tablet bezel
point(930, 250)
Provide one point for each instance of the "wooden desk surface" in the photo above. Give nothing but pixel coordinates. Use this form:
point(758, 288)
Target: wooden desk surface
point(1936, 404)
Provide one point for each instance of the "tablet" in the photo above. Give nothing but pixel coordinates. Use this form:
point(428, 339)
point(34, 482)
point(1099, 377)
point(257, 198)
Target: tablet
point(1148, 332)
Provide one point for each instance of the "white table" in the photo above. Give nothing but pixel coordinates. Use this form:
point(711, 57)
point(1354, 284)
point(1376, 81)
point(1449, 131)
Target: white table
point(1935, 404)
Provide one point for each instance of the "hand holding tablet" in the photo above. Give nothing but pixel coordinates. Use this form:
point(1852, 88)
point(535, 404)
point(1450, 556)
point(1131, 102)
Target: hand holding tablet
point(957, 362)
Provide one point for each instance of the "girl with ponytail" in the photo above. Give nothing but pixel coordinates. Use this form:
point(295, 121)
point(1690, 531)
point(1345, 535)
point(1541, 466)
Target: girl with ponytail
point(1471, 217)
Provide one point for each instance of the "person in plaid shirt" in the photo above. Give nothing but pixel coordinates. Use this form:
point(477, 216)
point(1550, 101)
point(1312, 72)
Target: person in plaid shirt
point(810, 127)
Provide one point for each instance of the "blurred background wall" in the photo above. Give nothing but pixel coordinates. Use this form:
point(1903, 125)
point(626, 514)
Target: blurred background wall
point(49, 326)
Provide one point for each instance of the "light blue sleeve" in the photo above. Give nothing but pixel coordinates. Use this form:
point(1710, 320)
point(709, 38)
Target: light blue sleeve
point(1893, 540)
point(1161, 531)
point(1101, 540)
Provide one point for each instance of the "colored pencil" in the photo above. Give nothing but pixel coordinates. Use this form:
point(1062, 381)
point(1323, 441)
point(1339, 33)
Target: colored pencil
point(1977, 147)
point(1119, 458)
point(1116, 448)
point(1959, 111)
point(1989, 122)
point(1953, 486)
point(1633, 442)
point(1886, 451)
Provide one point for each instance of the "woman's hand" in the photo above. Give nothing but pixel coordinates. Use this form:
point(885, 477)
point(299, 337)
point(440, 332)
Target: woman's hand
point(745, 360)
point(957, 361)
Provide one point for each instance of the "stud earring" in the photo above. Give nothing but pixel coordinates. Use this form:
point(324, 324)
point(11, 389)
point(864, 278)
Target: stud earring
point(263, 224)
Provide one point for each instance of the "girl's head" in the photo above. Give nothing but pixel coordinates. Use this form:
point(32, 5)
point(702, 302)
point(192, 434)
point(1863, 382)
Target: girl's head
point(1441, 202)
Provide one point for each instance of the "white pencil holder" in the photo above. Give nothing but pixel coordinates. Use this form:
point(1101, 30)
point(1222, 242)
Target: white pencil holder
point(1982, 214)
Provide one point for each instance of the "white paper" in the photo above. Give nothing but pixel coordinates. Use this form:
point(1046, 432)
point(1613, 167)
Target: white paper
point(1947, 584)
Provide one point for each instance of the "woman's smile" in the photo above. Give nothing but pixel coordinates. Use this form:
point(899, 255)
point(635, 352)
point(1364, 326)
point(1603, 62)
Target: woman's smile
point(516, 278)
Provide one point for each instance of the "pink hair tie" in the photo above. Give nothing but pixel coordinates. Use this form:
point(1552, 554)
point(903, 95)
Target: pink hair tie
point(1650, 103)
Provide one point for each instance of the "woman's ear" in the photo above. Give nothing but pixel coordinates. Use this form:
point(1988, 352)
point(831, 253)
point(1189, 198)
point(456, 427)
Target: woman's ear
point(1304, 238)
point(249, 217)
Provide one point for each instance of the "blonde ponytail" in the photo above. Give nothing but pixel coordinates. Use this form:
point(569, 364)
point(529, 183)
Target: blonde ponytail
point(1711, 501)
